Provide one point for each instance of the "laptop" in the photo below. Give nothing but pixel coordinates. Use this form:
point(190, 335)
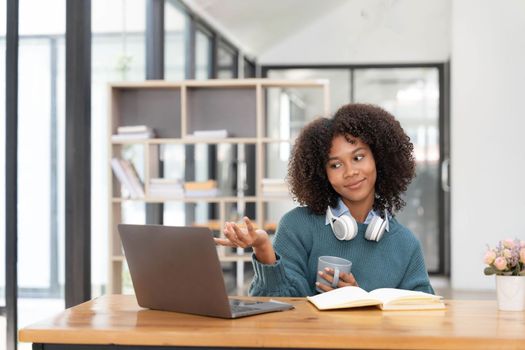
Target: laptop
point(178, 269)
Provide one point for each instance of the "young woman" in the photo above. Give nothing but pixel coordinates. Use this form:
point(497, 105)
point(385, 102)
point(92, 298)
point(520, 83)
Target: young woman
point(348, 174)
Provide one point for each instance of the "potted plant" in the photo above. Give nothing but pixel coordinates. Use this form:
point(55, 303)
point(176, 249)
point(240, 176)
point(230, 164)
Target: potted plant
point(507, 262)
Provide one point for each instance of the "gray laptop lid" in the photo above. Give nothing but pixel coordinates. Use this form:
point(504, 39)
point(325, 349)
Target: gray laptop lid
point(177, 269)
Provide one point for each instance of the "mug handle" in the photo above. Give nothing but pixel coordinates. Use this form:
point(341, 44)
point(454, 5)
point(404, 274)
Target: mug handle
point(335, 281)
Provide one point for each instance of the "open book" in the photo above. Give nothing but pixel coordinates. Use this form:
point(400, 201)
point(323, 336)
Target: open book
point(385, 298)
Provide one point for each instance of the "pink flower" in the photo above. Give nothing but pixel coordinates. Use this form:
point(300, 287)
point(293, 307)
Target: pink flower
point(500, 263)
point(489, 257)
point(507, 258)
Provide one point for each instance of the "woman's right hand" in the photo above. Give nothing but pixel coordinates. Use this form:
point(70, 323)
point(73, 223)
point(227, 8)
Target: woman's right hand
point(248, 237)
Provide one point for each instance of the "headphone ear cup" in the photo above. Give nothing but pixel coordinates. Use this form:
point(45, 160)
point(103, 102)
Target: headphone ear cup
point(376, 229)
point(345, 228)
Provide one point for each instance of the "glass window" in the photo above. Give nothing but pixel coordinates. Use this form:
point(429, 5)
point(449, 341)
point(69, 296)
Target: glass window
point(339, 79)
point(202, 55)
point(118, 53)
point(226, 62)
point(412, 96)
point(249, 68)
point(288, 110)
point(175, 24)
point(41, 152)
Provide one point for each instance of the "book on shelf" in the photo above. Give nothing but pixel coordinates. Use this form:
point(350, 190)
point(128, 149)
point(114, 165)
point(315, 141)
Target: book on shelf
point(213, 192)
point(162, 187)
point(166, 193)
point(274, 187)
point(166, 181)
point(136, 182)
point(384, 298)
point(133, 132)
point(209, 134)
point(200, 185)
point(131, 129)
point(128, 177)
point(118, 170)
point(207, 188)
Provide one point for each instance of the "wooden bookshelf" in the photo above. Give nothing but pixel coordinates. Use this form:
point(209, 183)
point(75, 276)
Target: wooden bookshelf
point(247, 110)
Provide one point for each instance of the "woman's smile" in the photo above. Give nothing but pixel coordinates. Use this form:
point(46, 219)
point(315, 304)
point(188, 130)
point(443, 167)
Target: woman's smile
point(355, 185)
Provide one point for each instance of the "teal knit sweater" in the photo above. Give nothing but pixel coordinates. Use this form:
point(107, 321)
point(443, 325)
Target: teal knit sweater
point(396, 261)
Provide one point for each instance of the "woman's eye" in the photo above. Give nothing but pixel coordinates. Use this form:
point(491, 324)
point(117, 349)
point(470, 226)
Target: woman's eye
point(359, 157)
point(335, 165)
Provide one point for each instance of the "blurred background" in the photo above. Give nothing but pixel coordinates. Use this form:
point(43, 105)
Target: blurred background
point(451, 71)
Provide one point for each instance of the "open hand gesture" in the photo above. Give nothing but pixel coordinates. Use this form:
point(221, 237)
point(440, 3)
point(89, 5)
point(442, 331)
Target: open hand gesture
point(248, 237)
point(242, 237)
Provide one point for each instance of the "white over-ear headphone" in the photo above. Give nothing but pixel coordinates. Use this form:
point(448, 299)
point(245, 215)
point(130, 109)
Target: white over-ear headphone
point(345, 226)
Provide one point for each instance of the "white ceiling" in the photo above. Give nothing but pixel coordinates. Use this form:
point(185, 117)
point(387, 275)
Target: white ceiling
point(256, 25)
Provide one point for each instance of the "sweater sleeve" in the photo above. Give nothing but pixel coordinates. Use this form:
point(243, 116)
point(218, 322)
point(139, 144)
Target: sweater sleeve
point(287, 277)
point(416, 276)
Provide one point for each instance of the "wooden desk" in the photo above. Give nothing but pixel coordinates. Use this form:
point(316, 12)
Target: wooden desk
point(116, 322)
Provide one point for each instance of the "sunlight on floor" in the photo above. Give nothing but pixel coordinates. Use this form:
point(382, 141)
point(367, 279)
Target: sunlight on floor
point(31, 311)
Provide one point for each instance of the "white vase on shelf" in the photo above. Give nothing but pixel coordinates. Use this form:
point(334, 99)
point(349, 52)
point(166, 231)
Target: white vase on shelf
point(510, 291)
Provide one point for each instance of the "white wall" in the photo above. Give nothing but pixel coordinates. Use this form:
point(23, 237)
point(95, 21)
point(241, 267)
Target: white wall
point(487, 123)
point(369, 31)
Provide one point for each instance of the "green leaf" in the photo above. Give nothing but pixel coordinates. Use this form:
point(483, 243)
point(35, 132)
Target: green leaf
point(489, 271)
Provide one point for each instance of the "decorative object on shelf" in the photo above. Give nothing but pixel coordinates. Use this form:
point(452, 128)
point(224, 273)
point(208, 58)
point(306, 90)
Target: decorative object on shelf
point(507, 262)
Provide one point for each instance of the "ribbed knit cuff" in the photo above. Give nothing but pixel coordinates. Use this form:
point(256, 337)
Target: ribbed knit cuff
point(269, 277)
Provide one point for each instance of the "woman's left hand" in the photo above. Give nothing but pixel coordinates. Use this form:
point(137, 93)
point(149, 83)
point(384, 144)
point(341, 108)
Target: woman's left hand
point(345, 279)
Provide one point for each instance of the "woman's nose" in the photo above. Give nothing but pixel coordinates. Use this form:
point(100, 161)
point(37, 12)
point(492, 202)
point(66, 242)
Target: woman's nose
point(350, 171)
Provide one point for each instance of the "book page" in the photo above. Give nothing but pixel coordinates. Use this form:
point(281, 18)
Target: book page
point(342, 298)
point(437, 305)
point(392, 296)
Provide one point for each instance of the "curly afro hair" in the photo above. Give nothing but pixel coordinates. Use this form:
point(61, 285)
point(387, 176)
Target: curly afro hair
point(391, 147)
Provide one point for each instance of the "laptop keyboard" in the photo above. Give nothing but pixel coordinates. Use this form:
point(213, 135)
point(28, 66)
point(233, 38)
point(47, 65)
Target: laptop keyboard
point(238, 305)
point(239, 308)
